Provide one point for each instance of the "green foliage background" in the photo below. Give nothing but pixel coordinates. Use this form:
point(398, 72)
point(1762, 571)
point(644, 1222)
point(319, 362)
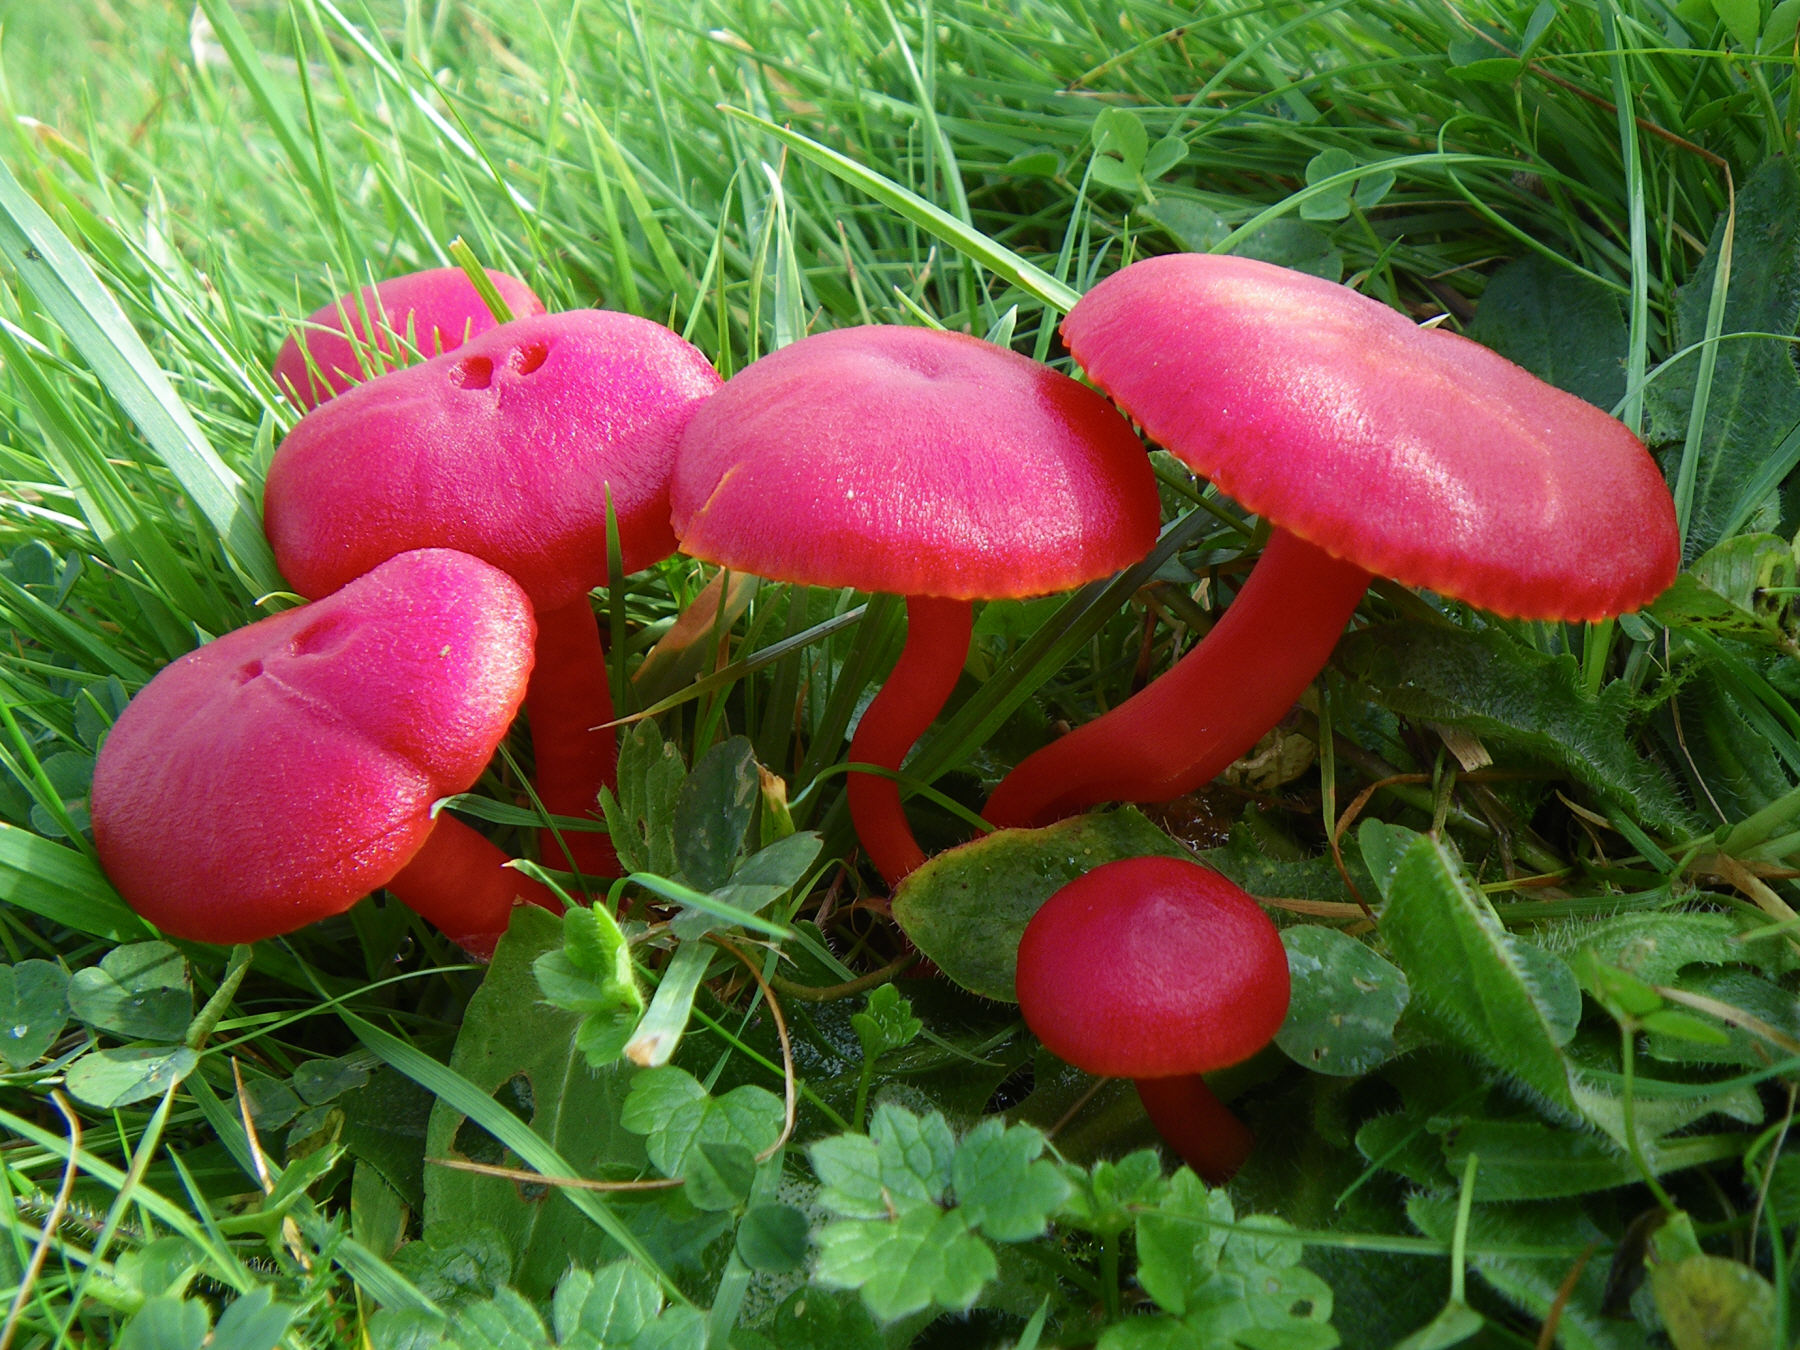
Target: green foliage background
point(1566, 1059)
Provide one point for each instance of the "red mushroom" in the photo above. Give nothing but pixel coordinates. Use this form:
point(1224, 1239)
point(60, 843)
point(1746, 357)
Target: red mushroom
point(1158, 970)
point(510, 448)
point(281, 772)
point(1371, 445)
point(435, 310)
point(922, 463)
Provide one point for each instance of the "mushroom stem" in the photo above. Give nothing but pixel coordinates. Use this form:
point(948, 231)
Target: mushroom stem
point(459, 883)
point(567, 701)
point(937, 643)
point(1210, 707)
point(1197, 1125)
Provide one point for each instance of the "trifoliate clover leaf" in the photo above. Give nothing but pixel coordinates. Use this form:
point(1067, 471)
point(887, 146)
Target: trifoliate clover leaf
point(1002, 1186)
point(674, 1113)
point(887, 1023)
point(925, 1257)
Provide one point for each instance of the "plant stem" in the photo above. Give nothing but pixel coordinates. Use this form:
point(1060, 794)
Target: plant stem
point(1628, 1029)
point(937, 643)
point(1211, 707)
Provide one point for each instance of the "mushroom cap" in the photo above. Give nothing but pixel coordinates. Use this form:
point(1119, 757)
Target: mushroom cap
point(506, 448)
point(916, 462)
point(1149, 967)
point(281, 772)
point(1412, 452)
point(437, 310)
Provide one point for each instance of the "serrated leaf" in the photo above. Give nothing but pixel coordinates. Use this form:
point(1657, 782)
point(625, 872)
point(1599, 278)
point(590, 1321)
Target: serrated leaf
point(886, 1023)
point(1565, 328)
point(674, 1113)
point(675, 1328)
point(110, 1078)
point(34, 1009)
point(1346, 1001)
point(1506, 692)
point(640, 817)
point(139, 992)
point(1751, 438)
point(504, 1322)
point(967, 907)
point(712, 813)
point(924, 1258)
point(1508, 1003)
point(1105, 1200)
point(1003, 1188)
point(591, 975)
point(608, 1307)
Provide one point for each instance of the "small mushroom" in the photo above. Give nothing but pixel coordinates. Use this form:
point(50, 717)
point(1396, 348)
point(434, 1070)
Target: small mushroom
point(279, 773)
point(435, 310)
point(1158, 970)
point(919, 463)
point(1371, 445)
point(510, 448)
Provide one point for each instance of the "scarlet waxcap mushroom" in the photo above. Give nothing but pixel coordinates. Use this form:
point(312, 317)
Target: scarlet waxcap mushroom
point(1371, 445)
point(281, 772)
point(434, 310)
point(509, 448)
point(915, 462)
point(1159, 970)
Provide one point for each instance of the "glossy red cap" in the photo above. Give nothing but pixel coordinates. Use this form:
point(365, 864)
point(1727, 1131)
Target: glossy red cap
point(436, 311)
point(1149, 967)
point(915, 462)
point(506, 449)
point(281, 772)
point(1411, 452)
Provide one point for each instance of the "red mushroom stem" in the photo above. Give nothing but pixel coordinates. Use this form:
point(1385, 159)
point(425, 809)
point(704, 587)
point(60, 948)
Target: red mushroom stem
point(568, 701)
point(1210, 707)
point(937, 644)
point(458, 881)
point(1197, 1125)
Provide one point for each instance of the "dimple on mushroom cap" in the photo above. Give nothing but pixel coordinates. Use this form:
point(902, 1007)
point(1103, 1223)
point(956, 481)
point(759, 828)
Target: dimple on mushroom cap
point(279, 773)
point(1150, 967)
point(506, 448)
point(916, 462)
point(1412, 452)
point(438, 309)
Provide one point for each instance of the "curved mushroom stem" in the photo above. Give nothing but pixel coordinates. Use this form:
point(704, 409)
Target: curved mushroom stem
point(1197, 1125)
point(937, 643)
point(567, 700)
point(1212, 706)
point(458, 882)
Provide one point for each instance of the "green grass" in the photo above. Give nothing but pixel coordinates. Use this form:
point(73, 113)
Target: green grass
point(748, 173)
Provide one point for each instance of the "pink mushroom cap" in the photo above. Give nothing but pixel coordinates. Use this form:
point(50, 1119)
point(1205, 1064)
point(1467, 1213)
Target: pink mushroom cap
point(916, 462)
point(1151, 968)
point(281, 772)
point(435, 310)
point(1411, 452)
point(507, 448)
